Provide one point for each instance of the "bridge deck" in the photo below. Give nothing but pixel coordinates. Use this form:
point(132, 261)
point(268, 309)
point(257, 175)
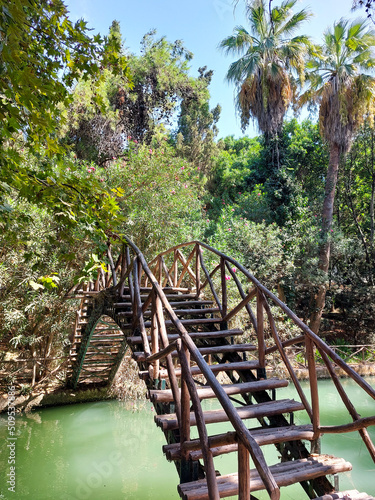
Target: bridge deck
point(182, 328)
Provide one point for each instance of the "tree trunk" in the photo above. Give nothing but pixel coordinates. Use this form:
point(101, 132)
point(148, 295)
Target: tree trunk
point(325, 242)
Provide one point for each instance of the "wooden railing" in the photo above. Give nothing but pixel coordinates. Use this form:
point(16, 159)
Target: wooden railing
point(200, 269)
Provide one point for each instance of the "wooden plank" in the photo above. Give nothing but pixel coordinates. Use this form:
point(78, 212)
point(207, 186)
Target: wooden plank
point(285, 474)
point(196, 370)
point(169, 421)
point(190, 303)
point(223, 367)
point(193, 335)
point(197, 312)
point(226, 443)
point(141, 356)
point(349, 495)
point(189, 322)
point(165, 396)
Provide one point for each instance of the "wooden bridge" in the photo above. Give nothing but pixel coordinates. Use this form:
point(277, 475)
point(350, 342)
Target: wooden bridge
point(181, 315)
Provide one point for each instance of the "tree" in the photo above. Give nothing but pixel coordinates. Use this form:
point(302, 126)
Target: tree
point(161, 79)
point(197, 124)
point(42, 55)
point(268, 54)
point(368, 5)
point(92, 125)
point(344, 93)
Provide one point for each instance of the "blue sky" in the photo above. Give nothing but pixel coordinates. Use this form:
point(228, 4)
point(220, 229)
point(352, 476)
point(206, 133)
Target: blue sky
point(201, 24)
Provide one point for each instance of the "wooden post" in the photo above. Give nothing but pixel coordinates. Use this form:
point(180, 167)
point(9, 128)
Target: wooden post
point(170, 367)
point(175, 268)
point(213, 491)
point(243, 472)
point(185, 408)
point(260, 336)
point(138, 320)
point(313, 386)
point(130, 280)
point(224, 295)
point(112, 266)
point(154, 339)
point(197, 272)
point(160, 271)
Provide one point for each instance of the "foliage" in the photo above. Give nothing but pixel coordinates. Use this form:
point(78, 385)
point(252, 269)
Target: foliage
point(35, 272)
point(338, 78)
point(269, 52)
point(337, 73)
point(161, 79)
point(197, 125)
point(42, 55)
point(92, 122)
point(160, 202)
point(257, 246)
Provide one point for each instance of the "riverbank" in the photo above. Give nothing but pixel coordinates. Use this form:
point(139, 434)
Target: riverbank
point(124, 388)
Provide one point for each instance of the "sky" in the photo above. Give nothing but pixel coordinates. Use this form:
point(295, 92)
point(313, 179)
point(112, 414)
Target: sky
point(201, 25)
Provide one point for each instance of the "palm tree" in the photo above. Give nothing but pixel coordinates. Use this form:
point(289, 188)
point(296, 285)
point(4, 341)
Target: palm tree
point(268, 53)
point(339, 83)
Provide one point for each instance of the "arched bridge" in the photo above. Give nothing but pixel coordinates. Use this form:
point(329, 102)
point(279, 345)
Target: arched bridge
point(183, 316)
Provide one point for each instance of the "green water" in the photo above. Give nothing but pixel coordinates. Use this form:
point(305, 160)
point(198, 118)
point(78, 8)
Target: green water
point(108, 451)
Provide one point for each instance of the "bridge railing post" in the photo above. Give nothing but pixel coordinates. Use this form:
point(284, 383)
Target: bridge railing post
point(224, 295)
point(175, 268)
point(260, 336)
point(310, 354)
point(154, 338)
point(197, 271)
point(209, 466)
point(243, 471)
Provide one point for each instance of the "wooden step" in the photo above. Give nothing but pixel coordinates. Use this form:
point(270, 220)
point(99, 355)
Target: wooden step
point(285, 474)
point(189, 303)
point(219, 349)
point(346, 495)
point(169, 421)
point(170, 296)
point(219, 367)
point(179, 312)
point(186, 322)
point(194, 335)
point(180, 304)
point(166, 396)
point(104, 337)
point(226, 443)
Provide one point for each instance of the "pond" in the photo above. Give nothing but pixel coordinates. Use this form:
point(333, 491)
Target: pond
point(112, 450)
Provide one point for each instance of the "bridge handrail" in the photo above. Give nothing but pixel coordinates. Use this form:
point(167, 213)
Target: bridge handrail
point(310, 339)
